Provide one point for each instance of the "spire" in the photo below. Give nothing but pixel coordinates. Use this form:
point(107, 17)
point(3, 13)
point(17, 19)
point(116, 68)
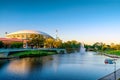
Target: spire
point(57, 34)
point(6, 34)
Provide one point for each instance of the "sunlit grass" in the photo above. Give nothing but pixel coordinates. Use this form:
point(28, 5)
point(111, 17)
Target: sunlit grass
point(36, 53)
point(113, 52)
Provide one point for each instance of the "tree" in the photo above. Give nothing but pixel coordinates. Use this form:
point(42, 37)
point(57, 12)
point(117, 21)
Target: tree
point(57, 43)
point(36, 40)
point(112, 45)
point(97, 46)
point(49, 43)
point(1, 44)
point(71, 46)
point(16, 45)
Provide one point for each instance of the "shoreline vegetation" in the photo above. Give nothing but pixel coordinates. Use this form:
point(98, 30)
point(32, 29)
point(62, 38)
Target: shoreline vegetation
point(111, 50)
point(113, 53)
point(31, 53)
point(110, 53)
point(37, 41)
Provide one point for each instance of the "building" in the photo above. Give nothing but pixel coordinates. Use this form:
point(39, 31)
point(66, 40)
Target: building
point(25, 35)
point(9, 40)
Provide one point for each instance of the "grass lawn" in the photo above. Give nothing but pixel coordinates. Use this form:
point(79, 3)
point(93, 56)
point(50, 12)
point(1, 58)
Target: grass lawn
point(33, 53)
point(113, 52)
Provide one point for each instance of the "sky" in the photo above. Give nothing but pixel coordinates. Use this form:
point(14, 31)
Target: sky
point(86, 21)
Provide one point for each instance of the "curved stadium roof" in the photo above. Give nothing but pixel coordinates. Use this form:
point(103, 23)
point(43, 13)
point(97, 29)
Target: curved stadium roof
point(29, 32)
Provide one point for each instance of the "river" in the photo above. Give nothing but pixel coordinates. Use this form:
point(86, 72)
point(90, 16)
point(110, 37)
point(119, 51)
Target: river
point(74, 66)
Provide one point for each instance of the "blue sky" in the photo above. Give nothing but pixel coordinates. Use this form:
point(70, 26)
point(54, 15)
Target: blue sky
point(82, 20)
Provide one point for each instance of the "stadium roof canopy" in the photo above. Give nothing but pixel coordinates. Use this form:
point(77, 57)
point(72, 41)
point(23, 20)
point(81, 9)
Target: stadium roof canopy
point(29, 32)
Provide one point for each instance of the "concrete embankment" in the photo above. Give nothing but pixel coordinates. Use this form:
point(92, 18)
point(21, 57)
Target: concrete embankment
point(112, 56)
point(109, 55)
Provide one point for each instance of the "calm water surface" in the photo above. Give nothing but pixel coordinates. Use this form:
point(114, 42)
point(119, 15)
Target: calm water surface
point(76, 66)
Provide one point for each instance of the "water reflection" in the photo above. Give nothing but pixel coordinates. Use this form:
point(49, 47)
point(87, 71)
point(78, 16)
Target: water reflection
point(3, 63)
point(25, 66)
point(19, 67)
point(57, 67)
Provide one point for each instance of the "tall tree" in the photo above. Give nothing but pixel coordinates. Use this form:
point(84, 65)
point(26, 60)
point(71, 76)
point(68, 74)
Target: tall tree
point(37, 40)
point(57, 43)
point(1, 44)
point(71, 46)
point(49, 43)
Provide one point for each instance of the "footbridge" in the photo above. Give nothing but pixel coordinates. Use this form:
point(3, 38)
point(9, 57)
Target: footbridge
point(6, 52)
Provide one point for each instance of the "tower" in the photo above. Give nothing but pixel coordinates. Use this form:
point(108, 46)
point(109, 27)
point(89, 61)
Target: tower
point(6, 34)
point(57, 35)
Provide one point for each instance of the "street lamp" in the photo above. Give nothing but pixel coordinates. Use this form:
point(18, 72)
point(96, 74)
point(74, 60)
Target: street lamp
point(111, 61)
point(114, 69)
point(26, 41)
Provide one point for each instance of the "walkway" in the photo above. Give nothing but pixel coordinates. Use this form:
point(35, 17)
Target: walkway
point(111, 76)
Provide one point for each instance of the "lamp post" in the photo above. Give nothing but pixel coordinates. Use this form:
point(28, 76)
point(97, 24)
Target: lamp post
point(26, 41)
point(111, 61)
point(22, 37)
point(6, 34)
point(114, 69)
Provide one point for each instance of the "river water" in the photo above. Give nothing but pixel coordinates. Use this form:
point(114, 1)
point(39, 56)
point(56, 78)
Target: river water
point(75, 66)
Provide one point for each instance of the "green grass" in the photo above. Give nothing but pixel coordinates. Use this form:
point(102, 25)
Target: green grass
point(36, 53)
point(113, 52)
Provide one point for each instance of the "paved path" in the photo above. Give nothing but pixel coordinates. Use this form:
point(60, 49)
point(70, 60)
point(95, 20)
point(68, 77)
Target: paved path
point(111, 76)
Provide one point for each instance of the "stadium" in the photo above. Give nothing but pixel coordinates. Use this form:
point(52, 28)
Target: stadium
point(26, 34)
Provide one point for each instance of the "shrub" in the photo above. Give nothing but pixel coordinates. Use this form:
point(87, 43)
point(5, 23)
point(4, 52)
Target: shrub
point(16, 45)
point(1, 44)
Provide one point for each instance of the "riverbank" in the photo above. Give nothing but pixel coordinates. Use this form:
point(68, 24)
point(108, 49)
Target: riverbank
point(116, 74)
point(31, 53)
point(111, 53)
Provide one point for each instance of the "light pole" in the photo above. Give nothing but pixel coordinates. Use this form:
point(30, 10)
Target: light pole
point(111, 61)
point(114, 69)
point(23, 40)
point(6, 34)
point(26, 41)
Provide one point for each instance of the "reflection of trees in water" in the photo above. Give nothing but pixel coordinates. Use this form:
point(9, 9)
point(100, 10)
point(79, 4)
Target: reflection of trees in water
point(56, 62)
point(34, 64)
point(3, 63)
point(38, 63)
point(28, 65)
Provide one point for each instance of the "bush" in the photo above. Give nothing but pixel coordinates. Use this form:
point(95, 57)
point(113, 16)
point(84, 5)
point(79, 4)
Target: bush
point(36, 53)
point(16, 45)
point(119, 79)
point(1, 44)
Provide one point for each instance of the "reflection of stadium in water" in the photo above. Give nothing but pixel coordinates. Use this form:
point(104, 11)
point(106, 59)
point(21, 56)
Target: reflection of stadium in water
point(27, 65)
point(3, 63)
point(57, 67)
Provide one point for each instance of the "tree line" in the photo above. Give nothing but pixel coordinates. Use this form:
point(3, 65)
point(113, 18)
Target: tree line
point(11, 45)
point(39, 41)
point(99, 46)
